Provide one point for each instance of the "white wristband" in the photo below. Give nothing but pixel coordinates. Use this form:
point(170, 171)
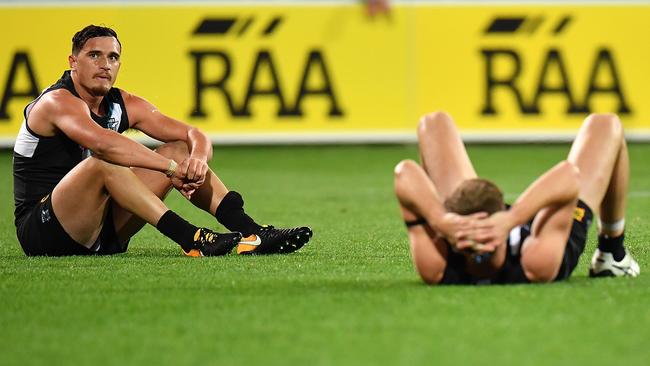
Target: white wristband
point(172, 168)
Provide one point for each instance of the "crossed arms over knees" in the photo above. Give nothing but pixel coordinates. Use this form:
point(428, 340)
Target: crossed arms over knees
point(61, 111)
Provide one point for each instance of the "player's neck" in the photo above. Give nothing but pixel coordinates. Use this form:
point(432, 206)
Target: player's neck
point(93, 101)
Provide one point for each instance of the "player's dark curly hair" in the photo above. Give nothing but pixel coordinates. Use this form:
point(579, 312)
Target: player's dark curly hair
point(91, 31)
point(475, 195)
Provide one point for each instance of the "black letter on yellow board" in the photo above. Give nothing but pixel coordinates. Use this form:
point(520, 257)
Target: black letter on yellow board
point(21, 59)
point(316, 62)
point(200, 85)
point(605, 61)
point(553, 58)
point(491, 81)
point(263, 60)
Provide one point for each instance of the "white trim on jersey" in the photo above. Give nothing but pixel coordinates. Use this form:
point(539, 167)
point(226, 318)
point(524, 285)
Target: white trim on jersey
point(514, 241)
point(26, 143)
point(115, 119)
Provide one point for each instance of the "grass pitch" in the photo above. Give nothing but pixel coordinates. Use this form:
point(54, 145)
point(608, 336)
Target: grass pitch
point(351, 297)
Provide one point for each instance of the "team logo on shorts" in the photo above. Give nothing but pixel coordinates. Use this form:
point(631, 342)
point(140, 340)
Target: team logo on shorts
point(579, 214)
point(45, 215)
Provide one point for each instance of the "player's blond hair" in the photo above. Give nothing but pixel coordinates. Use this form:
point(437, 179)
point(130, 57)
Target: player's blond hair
point(475, 195)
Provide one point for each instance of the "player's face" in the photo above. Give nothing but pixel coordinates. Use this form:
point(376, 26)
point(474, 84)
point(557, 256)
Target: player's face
point(97, 64)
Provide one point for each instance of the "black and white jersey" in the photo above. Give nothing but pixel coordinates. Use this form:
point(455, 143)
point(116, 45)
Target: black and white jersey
point(516, 238)
point(511, 272)
point(40, 162)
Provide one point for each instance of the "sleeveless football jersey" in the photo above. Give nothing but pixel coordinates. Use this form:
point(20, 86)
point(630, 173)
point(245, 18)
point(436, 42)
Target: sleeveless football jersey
point(40, 162)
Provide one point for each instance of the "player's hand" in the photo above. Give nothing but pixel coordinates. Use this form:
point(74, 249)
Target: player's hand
point(182, 183)
point(179, 181)
point(488, 233)
point(195, 170)
point(452, 226)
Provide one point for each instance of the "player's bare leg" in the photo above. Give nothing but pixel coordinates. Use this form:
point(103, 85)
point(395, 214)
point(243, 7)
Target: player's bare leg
point(226, 206)
point(600, 152)
point(612, 208)
point(127, 224)
point(443, 153)
point(595, 152)
point(80, 202)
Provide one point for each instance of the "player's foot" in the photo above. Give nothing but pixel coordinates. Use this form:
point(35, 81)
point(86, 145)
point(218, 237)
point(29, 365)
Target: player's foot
point(208, 243)
point(604, 265)
point(270, 240)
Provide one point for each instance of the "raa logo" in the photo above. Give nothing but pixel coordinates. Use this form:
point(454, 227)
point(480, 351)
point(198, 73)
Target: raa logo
point(602, 67)
point(315, 64)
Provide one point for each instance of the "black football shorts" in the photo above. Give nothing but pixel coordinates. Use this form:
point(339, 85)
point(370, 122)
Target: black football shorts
point(40, 234)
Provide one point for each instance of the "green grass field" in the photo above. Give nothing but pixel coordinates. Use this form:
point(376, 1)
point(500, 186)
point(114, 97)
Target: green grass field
point(351, 297)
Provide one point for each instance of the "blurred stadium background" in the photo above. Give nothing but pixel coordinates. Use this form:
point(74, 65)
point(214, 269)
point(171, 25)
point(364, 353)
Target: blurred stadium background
point(324, 71)
point(327, 73)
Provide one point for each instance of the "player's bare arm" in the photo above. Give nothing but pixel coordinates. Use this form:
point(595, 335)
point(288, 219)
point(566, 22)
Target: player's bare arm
point(552, 198)
point(557, 187)
point(145, 117)
point(424, 201)
point(61, 111)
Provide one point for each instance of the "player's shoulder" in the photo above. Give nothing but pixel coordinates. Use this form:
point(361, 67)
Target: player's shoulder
point(135, 104)
point(130, 99)
point(59, 100)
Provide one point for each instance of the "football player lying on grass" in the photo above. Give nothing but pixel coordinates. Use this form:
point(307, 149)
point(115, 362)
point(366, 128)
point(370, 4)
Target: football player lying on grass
point(461, 231)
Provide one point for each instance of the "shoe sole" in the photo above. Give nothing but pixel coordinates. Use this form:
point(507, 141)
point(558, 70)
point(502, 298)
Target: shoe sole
point(605, 273)
point(608, 273)
point(292, 244)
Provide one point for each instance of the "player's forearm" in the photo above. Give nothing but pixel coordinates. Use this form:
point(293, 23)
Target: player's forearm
point(200, 145)
point(121, 150)
point(435, 214)
point(416, 192)
point(557, 186)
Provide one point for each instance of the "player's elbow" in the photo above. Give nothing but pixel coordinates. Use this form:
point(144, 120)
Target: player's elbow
point(102, 144)
point(197, 137)
point(431, 277)
point(540, 273)
point(540, 261)
point(402, 173)
point(99, 146)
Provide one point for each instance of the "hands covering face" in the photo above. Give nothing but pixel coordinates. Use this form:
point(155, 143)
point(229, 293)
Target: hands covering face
point(189, 176)
point(476, 233)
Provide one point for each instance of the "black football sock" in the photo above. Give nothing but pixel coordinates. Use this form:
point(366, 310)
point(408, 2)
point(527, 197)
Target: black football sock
point(612, 245)
point(230, 213)
point(177, 229)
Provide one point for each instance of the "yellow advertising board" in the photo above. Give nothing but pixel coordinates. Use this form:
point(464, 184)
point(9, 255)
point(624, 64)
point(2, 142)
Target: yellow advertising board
point(328, 72)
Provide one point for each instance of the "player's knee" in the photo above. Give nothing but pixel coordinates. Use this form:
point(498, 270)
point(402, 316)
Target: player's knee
point(608, 123)
point(177, 150)
point(432, 122)
point(97, 165)
point(105, 169)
